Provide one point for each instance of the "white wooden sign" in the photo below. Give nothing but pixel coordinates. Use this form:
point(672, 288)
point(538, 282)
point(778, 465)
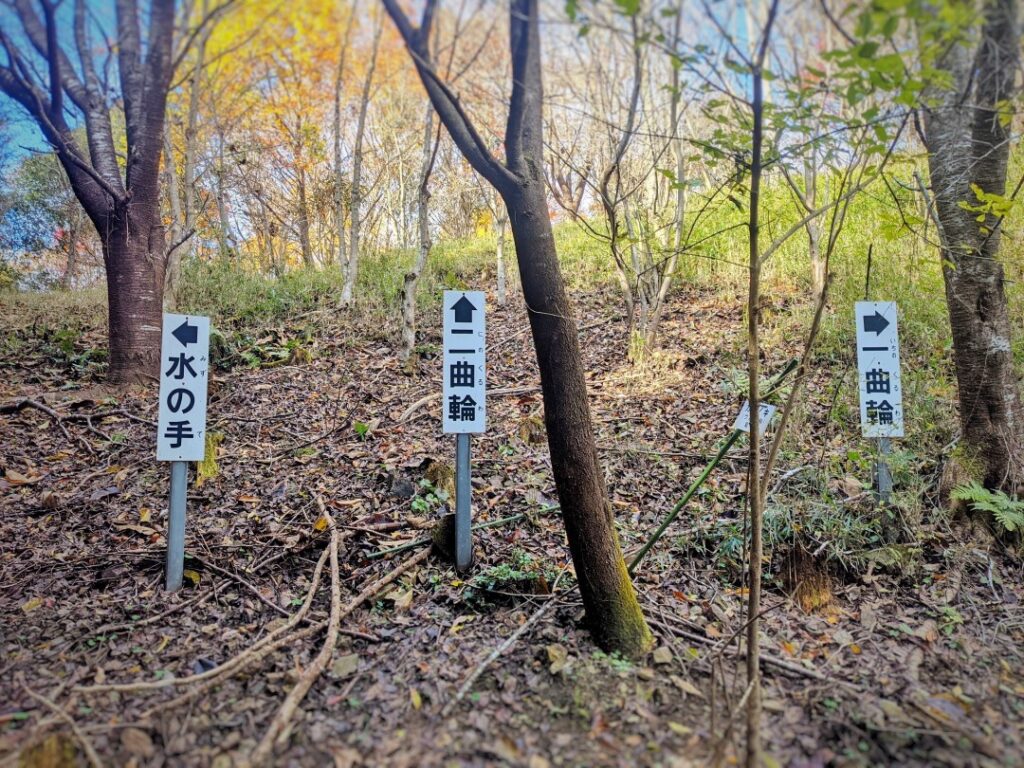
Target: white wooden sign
point(764, 416)
point(464, 388)
point(184, 365)
point(878, 369)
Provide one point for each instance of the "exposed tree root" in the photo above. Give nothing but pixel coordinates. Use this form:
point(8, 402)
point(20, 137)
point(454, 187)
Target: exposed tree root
point(240, 659)
point(278, 725)
point(87, 747)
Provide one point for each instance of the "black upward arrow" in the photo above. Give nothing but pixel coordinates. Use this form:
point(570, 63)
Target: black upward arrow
point(875, 323)
point(464, 310)
point(186, 334)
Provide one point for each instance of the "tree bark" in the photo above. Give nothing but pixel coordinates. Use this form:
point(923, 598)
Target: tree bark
point(968, 149)
point(172, 271)
point(134, 256)
point(615, 616)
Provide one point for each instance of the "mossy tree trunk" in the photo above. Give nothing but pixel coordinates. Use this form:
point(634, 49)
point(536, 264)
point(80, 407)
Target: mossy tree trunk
point(614, 613)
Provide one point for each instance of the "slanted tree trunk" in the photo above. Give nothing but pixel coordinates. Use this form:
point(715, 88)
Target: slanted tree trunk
point(412, 278)
point(968, 148)
point(356, 208)
point(614, 613)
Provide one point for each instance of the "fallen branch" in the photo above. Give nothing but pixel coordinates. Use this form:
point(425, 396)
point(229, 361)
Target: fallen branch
point(290, 640)
point(280, 722)
point(90, 752)
point(774, 661)
point(227, 666)
point(508, 643)
point(27, 402)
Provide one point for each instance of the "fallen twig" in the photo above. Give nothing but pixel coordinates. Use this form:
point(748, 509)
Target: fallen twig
point(90, 752)
point(232, 663)
point(30, 403)
point(313, 671)
point(774, 661)
point(508, 643)
point(248, 658)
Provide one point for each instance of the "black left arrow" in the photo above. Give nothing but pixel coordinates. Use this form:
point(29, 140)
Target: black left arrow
point(186, 334)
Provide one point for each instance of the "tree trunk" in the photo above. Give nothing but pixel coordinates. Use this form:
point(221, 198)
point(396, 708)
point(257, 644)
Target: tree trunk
point(223, 244)
point(357, 173)
point(303, 220)
point(172, 275)
point(615, 616)
point(412, 278)
point(133, 252)
point(501, 223)
point(968, 146)
point(67, 280)
point(613, 611)
point(813, 225)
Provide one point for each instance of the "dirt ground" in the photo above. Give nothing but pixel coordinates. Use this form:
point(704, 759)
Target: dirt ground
point(886, 667)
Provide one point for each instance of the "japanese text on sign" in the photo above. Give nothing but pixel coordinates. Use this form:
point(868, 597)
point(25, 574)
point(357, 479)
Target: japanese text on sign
point(764, 416)
point(463, 387)
point(878, 369)
point(184, 363)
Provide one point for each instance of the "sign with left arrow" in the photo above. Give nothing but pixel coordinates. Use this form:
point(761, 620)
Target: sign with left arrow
point(184, 368)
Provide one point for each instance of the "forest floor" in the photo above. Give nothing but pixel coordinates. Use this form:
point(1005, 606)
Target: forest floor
point(915, 664)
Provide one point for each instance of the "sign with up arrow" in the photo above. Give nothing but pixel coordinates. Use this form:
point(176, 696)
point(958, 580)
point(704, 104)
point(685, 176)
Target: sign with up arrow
point(184, 366)
point(878, 369)
point(464, 383)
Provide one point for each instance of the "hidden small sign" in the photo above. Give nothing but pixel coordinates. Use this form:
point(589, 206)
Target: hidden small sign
point(184, 368)
point(878, 369)
point(464, 384)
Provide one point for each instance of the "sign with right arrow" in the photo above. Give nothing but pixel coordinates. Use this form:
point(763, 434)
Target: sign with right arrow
point(878, 369)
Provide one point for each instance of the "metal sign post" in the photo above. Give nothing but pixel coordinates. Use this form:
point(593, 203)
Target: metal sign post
point(880, 384)
point(181, 427)
point(464, 400)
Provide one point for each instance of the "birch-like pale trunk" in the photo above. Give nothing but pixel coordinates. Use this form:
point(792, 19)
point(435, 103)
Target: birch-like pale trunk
point(412, 278)
point(356, 210)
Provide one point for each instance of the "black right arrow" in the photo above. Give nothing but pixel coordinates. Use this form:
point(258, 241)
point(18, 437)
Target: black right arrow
point(186, 334)
point(875, 323)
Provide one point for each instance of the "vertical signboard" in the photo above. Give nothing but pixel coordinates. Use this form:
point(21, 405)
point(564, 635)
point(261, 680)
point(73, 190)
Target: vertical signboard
point(878, 369)
point(464, 387)
point(184, 366)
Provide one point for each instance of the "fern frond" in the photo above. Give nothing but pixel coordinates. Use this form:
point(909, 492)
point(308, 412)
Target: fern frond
point(1008, 512)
